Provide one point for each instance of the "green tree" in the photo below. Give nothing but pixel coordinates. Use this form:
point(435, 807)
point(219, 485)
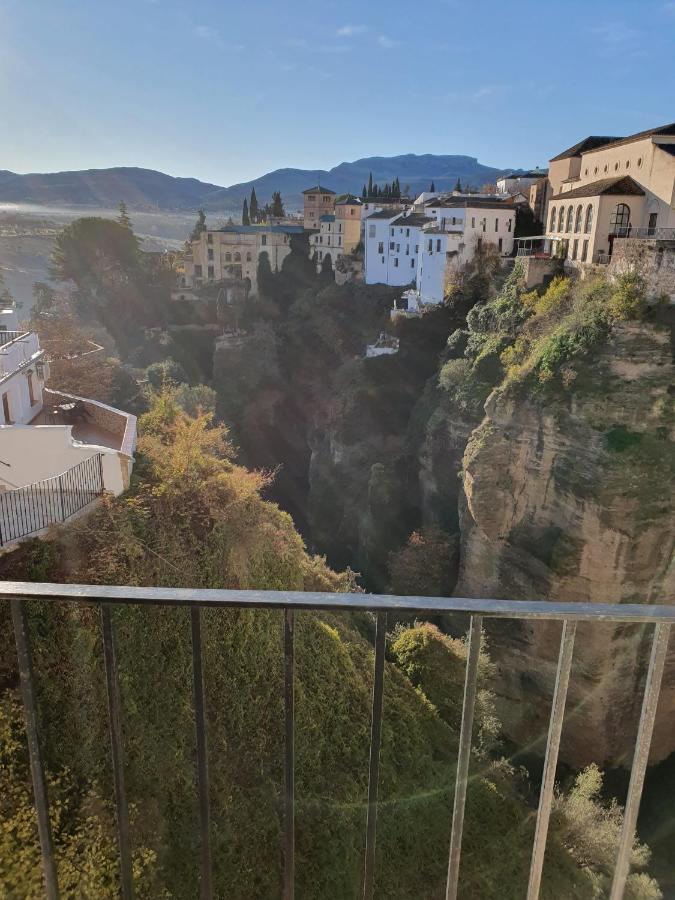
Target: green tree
point(458, 186)
point(364, 193)
point(253, 207)
point(200, 225)
point(245, 218)
point(432, 188)
point(123, 217)
point(44, 297)
point(277, 205)
point(370, 184)
point(426, 566)
point(163, 374)
point(6, 298)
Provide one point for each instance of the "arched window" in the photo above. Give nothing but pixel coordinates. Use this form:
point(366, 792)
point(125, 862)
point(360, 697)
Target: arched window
point(561, 218)
point(570, 216)
point(248, 256)
point(237, 257)
point(589, 219)
point(228, 257)
point(620, 220)
point(577, 219)
point(552, 226)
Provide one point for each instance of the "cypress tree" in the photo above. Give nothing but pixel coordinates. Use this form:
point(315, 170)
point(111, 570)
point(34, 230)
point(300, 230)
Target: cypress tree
point(364, 193)
point(245, 218)
point(370, 185)
point(123, 218)
point(253, 206)
point(277, 205)
point(200, 225)
point(458, 186)
point(432, 188)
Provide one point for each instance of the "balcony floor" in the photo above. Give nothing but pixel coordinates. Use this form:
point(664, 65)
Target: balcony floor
point(85, 432)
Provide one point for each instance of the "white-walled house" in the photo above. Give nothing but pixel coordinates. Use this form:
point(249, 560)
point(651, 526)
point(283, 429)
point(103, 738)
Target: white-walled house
point(58, 452)
point(429, 248)
point(392, 245)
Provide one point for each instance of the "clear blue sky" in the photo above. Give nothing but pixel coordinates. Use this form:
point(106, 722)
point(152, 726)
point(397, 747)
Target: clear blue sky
point(225, 91)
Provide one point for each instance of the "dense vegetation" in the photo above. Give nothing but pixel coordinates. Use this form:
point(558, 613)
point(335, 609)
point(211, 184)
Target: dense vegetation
point(195, 517)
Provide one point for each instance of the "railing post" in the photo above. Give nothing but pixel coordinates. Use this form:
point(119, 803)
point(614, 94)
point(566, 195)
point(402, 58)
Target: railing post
point(640, 758)
point(23, 650)
point(289, 754)
point(114, 715)
point(552, 746)
point(63, 509)
point(464, 756)
point(206, 887)
point(100, 470)
point(374, 764)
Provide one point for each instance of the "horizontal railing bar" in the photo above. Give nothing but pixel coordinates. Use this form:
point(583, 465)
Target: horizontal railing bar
point(505, 609)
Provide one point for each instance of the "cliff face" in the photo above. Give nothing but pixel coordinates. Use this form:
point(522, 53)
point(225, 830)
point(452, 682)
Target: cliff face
point(569, 496)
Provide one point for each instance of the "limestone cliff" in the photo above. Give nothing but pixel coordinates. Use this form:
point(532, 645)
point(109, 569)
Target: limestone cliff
point(568, 495)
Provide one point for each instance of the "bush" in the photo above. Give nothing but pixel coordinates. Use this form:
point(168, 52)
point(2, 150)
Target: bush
point(628, 300)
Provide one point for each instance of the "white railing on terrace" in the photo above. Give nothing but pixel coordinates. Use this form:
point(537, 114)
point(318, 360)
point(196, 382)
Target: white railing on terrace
point(17, 351)
point(647, 234)
point(568, 614)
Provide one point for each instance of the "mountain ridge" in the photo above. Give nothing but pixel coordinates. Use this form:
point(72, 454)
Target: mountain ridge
point(142, 188)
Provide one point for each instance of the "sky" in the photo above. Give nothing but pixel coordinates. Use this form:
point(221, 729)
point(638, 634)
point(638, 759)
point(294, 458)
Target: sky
point(225, 91)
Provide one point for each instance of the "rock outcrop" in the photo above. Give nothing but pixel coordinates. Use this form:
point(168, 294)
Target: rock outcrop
point(569, 495)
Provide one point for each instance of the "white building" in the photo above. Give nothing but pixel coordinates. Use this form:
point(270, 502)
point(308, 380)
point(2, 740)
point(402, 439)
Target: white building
point(392, 243)
point(430, 248)
point(520, 182)
point(57, 452)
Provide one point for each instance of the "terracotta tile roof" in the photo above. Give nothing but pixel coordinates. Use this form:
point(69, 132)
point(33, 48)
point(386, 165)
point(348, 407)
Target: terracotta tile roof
point(624, 186)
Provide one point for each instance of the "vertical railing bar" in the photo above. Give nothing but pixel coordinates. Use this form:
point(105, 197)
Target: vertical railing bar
point(206, 890)
point(641, 757)
point(562, 679)
point(23, 650)
point(464, 756)
point(374, 762)
point(115, 719)
point(289, 754)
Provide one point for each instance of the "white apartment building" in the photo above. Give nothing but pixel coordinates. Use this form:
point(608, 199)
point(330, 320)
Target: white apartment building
point(520, 182)
point(57, 452)
point(429, 248)
point(392, 244)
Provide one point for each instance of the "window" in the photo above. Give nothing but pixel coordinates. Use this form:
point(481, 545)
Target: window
point(606, 168)
point(628, 164)
point(371, 231)
point(417, 248)
point(473, 221)
point(392, 245)
point(209, 238)
point(652, 223)
point(5, 409)
point(407, 249)
point(396, 262)
point(198, 271)
point(616, 167)
point(431, 246)
point(412, 263)
point(237, 257)
point(509, 226)
point(561, 218)
point(31, 394)
point(584, 251)
point(497, 224)
point(339, 241)
point(575, 247)
point(407, 232)
point(500, 243)
point(552, 225)
point(311, 197)
point(588, 224)
point(438, 245)
point(380, 247)
point(585, 171)
point(570, 216)
point(228, 257)
point(398, 248)
point(210, 253)
point(620, 220)
point(392, 231)
point(326, 199)
point(595, 170)
point(639, 162)
point(383, 259)
point(248, 256)
point(263, 240)
point(210, 273)
point(339, 226)
point(577, 219)
point(484, 224)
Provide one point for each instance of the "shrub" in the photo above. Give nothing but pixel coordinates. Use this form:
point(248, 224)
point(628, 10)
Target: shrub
point(628, 300)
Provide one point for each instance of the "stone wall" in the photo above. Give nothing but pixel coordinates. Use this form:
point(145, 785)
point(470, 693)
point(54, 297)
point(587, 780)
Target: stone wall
point(654, 260)
point(537, 269)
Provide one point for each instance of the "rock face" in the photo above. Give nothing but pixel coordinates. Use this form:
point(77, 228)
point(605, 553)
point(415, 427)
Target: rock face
point(570, 497)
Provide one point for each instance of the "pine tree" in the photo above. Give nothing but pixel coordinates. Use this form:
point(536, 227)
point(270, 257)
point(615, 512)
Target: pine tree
point(253, 207)
point(123, 219)
point(245, 218)
point(364, 193)
point(200, 225)
point(277, 205)
point(370, 185)
point(432, 188)
point(458, 186)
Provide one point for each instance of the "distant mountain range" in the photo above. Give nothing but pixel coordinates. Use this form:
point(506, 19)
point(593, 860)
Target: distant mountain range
point(148, 189)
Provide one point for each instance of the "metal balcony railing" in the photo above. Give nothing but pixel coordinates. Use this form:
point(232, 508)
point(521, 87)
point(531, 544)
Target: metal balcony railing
point(29, 509)
point(568, 614)
point(645, 233)
point(6, 337)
